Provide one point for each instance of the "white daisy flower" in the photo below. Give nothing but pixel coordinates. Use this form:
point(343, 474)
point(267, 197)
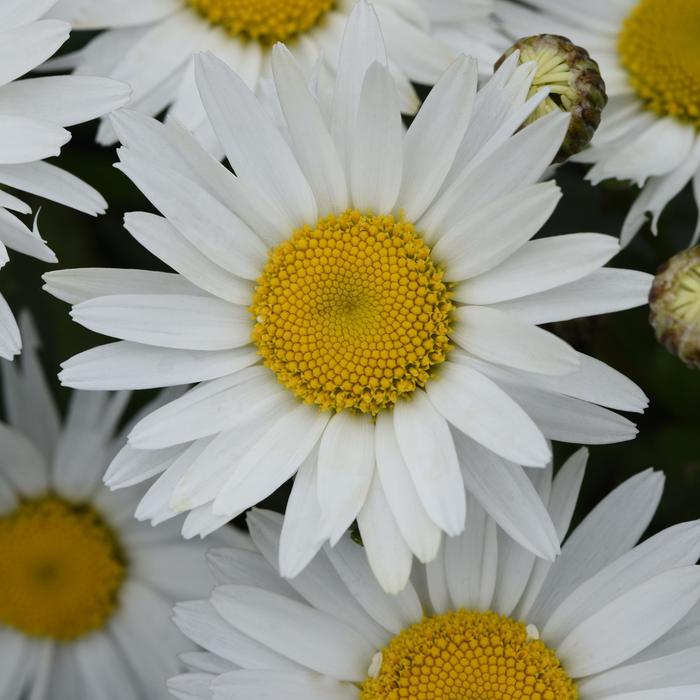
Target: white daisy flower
point(359, 304)
point(649, 55)
point(150, 44)
point(607, 621)
point(33, 114)
point(86, 590)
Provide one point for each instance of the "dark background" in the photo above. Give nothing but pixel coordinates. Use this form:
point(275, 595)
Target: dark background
point(669, 433)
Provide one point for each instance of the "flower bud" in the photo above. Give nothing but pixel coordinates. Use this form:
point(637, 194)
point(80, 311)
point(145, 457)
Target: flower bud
point(575, 85)
point(675, 306)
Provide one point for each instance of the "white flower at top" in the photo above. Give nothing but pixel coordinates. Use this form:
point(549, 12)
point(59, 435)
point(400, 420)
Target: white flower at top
point(33, 114)
point(86, 590)
point(485, 621)
point(150, 44)
point(360, 305)
point(649, 56)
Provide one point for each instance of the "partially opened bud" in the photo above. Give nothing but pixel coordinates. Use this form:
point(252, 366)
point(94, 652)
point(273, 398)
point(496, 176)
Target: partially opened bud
point(675, 306)
point(574, 82)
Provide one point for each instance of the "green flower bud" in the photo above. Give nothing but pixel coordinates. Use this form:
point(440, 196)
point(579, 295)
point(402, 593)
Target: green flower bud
point(675, 306)
point(575, 85)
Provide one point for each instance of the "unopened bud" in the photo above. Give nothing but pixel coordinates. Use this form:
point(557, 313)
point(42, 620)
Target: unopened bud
point(675, 306)
point(574, 82)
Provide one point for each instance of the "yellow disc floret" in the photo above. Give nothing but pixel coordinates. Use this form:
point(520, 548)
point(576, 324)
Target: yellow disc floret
point(352, 313)
point(61, 569)
point(264, 21)
point(467, 655)
point(660, 47)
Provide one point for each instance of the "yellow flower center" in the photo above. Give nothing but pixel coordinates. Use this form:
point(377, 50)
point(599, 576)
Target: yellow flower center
point(352, 313)
point(660, 47)
point(264, 21)
point(467, 655)
point(61, 569)
point(686, 301)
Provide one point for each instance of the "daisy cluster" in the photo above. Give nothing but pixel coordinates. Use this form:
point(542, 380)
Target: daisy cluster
point(360, 302)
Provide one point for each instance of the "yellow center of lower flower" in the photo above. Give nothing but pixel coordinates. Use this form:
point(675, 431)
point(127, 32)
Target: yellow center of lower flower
point(467, 655)
point(686, 301)
point(353, 312)
point(61, 569)
point(660, 47)
point(264, 21)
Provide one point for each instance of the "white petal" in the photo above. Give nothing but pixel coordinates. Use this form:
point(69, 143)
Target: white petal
point(156, 235)
point(610, 529)
point(273, 460)
point(207, 409)
point(345, 470)
point(674, 547)
point(629, 624)
point(377, 154)
point(420, 533)
point(21, 463)
point(23, 140)
point(327, 645)
point(300, 539)
point(389, 556)
point(518, 163)
point(508, 496)
point(362, 45)
point(10, 340)
point(603, 291)
point(426, 445)
point(494, 232)
point(319, 583)
point(24, 48)
point(168, 320)
point(46, 180)
point(204, 626)
point(198, 216)
point(75, 286)
point(125, 365)
point(539, 265)
point(503, 339)
point(646, 677)
point(484, 412)
point(311, 140)
point(270, 685)
point(63, 100)
point(432, 139)
point(253, 145)
point(570, 420)
point(393, 612)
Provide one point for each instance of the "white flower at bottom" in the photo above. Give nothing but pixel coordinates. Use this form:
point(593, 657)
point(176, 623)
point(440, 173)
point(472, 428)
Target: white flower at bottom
point(649, 56)
point(361, 306)
point(85, 590)
point(33, 114)
point(608, 620)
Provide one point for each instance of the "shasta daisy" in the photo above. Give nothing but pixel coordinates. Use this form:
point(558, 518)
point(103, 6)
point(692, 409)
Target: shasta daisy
point(86, 589)
point(359, 305)
point(608, 620)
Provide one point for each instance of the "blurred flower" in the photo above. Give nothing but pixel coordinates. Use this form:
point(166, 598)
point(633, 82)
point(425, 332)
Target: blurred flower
point(33, 113)
point(675, 306)
point(360, 305)
point(607, 619)
point(574, 83)
point(649, 56)
point(150, 45)
point(86, 590)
